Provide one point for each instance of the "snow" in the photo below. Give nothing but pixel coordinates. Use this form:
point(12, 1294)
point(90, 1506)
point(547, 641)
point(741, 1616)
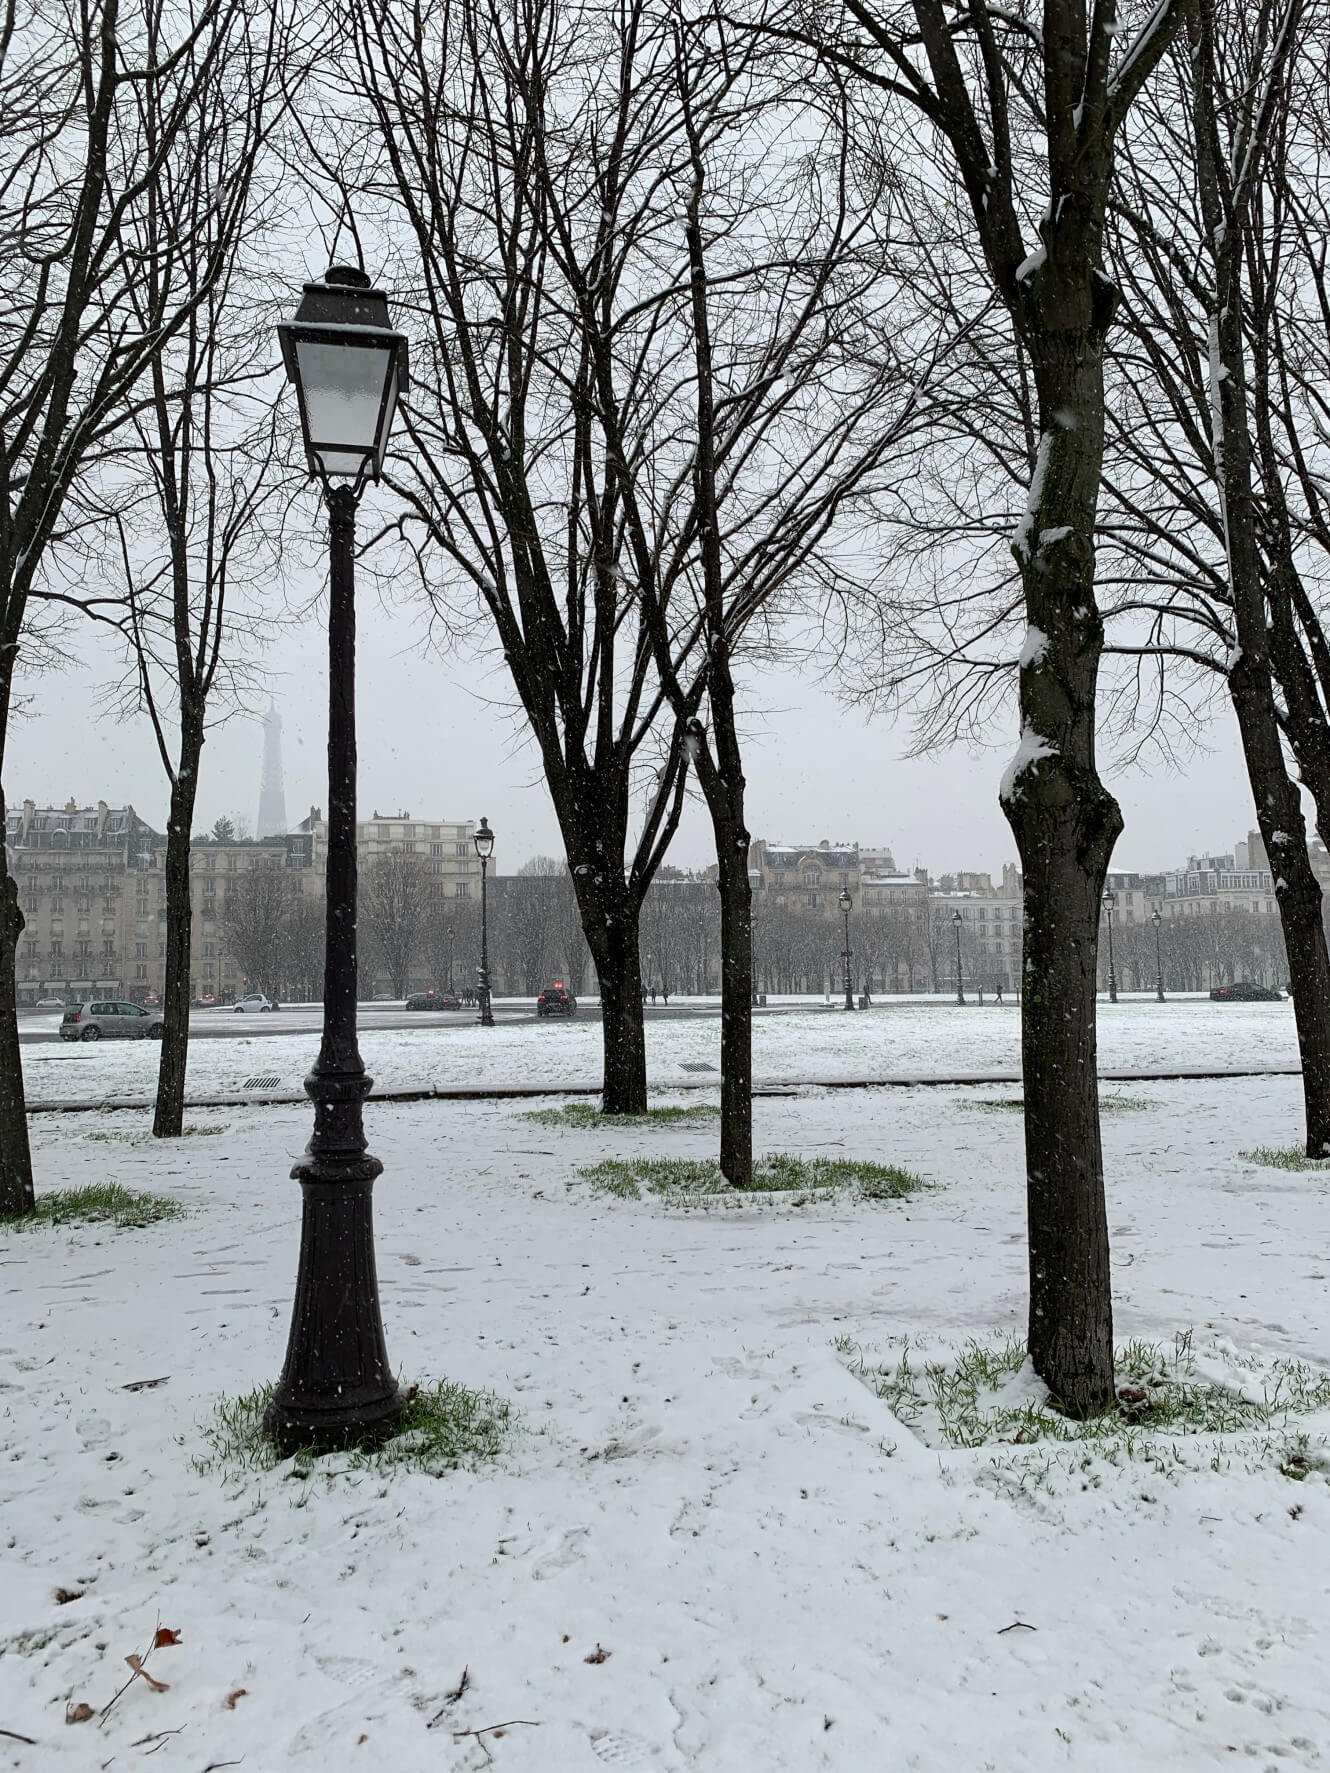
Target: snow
point(785, 1578)
point(1034, 648)
point(1028, 753)
point(1031, 263)
point(1020, 542)
point(793, 1041)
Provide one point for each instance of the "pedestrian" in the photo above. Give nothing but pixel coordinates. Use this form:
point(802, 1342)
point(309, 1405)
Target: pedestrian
point(997, 992)
point(653, 997)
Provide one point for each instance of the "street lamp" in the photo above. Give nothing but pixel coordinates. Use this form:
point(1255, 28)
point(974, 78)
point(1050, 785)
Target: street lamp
point(1110, 900)
point(336, 1388)
point(845, 903)
point(452, 934)
point(1156, 919)
point(484, 842)
point(960, 982)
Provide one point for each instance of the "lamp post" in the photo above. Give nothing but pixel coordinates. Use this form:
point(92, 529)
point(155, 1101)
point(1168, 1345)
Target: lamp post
point(452, 935)
point(484, 842)
point(1156, 919)
point(336, 1388)
point(845, 903)
point(960, 982)
point(1110, 900)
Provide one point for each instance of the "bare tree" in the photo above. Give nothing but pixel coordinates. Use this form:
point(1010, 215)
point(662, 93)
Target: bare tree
point(1029, 111)
point(191, 492)
point(255, 923)
point(94, 101)
point(490, 129)
point(395, 900)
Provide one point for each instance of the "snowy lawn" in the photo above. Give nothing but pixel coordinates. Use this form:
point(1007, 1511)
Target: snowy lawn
point(723, 1536)
point(900, 1037)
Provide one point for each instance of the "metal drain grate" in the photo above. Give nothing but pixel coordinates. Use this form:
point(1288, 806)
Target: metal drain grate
point(268, 1080)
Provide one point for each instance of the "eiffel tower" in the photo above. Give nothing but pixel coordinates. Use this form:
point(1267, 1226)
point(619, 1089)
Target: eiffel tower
point(272, 792)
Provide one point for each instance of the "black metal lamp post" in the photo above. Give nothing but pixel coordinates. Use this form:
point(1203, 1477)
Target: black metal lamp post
point(337, 1388)
point(484, 842)
point(1156, 919)
point(960, 981)
point(845, 904)
point(1110, 900)
point(452, 934)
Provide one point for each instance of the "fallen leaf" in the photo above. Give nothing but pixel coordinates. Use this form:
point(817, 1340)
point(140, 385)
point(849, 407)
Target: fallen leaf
point(599, 1654)
point(361, 1738)
point(164, 1637)
point(63, 1596)
point(136, 1663)
point(78, 1714)
point(231, 1698)
point(145, 1384)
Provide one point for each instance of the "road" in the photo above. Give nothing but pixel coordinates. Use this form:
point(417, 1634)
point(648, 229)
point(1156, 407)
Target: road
point(39, 1026)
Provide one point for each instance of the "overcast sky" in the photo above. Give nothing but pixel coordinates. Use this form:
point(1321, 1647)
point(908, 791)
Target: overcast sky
point(438, 739)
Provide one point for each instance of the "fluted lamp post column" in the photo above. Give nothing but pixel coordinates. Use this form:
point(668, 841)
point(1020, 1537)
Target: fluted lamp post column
point(1156, 919)
point(337, 1388)
point(484, 842)
point(1110, 900)
point(960, 981)
point(845, 903)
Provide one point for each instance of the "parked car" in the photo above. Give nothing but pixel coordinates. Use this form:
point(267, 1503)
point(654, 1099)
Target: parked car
point(108, 1019)
point(433, 1000)
point(255, 1001)
point(1241, 991)
point(556, 1000)
point(207, 1003)
point(50, 1003)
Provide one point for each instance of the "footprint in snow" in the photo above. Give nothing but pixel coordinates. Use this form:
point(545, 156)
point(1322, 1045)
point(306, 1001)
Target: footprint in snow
point(619, 1749)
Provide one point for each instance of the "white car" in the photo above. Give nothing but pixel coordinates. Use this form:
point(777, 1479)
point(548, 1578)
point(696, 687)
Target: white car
point(255, 1001)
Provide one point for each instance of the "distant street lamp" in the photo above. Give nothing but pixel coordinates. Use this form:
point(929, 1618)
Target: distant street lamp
point(1110, 900)
point(960, 981)
point(845, 903)
point(484, 842)
point(336, 1388)
point(452, 936)
point(1156, 919)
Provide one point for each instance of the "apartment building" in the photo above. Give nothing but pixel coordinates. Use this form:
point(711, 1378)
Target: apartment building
point(804, 877)
point(447, 845)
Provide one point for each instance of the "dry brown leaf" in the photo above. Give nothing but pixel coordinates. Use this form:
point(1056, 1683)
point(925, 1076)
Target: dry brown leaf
point(599, 1654)
point(231, 1698)
point(78, 1714)
point(164, 1637)
point(136, 1663)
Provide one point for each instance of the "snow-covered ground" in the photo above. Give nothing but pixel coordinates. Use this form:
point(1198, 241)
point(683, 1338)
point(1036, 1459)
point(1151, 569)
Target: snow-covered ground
point(908, 1037)
point(783, 1576)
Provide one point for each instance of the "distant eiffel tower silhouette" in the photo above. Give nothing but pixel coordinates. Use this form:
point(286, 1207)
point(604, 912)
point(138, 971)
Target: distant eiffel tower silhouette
point(272, 791)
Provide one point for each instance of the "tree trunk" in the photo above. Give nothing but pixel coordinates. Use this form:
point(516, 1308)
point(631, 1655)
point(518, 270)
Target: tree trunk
point(1251, 685)
point(1065, 823)
point(16, 1191)
point(169, 1115)
point(736, 1011)
point(619, 970)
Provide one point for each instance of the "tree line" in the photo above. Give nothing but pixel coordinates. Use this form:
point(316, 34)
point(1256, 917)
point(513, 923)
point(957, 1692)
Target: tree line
point(984, 343)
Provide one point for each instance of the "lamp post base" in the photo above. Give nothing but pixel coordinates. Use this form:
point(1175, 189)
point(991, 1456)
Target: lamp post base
point(337, 1388)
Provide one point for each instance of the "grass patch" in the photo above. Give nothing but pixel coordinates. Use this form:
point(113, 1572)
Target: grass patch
point(1111, 1104)
point(802, 1178)
point(443, 1426)
point(100, 1203)
point(1284, 1157)
point(984, 1394)
point(584, 1116)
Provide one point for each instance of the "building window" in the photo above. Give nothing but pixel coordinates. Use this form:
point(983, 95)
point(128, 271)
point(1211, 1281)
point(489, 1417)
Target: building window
point(84, 948)
point(810, 876)
point(207, 970)
point(209, 948)
point(141, 949)
point(108, 949)
point(461, 892)
point(463, 848)
point(436, 849)
point(140, 972)
point(55, 948)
